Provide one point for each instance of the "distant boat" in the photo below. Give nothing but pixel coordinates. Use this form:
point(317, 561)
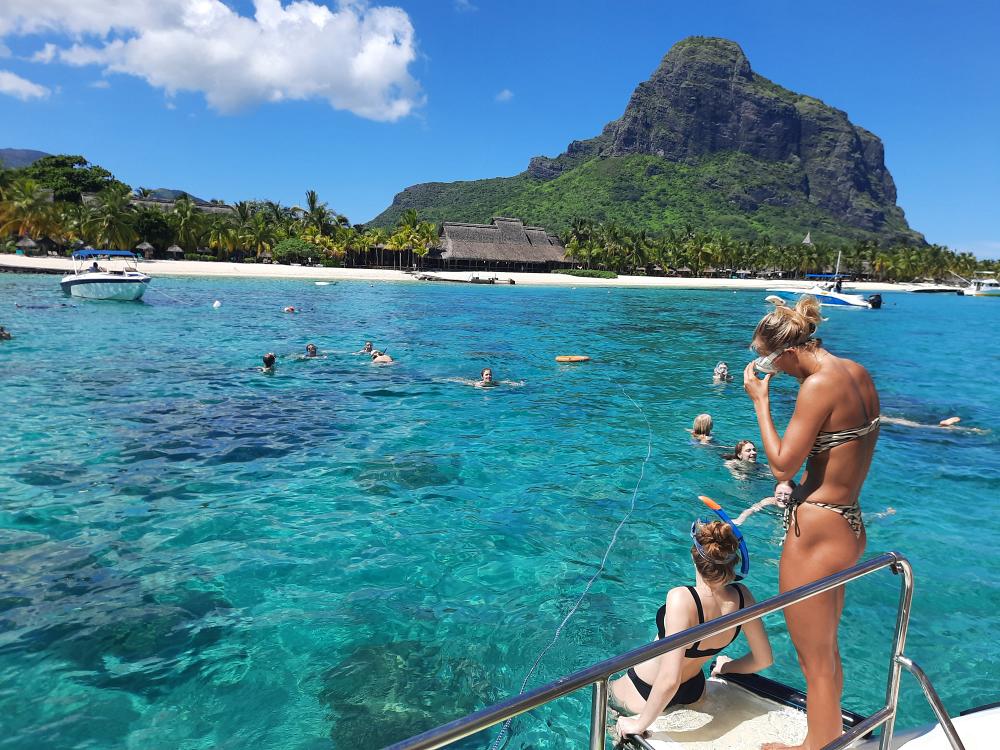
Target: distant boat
point(984, 286)
point(125, 283)
point(930, 287)
point(829, 294)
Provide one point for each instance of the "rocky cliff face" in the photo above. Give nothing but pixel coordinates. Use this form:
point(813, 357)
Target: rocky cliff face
point(704, 100)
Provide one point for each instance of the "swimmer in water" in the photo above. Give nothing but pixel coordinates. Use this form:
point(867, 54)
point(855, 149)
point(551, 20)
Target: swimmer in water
point(4, 334)
point(721, 373)
point(290, 309)
point(701, 430)
point(269, 360)
point(744, 451)
point(486, 379)
point(951, 423)
point(311, 350)
point(782, 494)
point(366, 349)
point(380, 358)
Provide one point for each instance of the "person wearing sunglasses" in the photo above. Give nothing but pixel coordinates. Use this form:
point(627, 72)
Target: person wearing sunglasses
point(833, 430)
point(678, 677)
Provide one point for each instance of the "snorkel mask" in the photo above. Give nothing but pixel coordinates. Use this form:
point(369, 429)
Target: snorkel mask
point(765, 365)
point(744, 555)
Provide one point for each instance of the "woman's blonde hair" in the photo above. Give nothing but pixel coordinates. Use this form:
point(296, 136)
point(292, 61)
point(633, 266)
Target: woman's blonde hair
point(717, 559)
point(786, 327)
point(702, 425)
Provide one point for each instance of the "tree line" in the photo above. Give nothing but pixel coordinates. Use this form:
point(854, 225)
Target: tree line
point(45, 200)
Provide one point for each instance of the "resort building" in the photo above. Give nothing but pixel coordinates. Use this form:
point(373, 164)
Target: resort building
point(502, 245)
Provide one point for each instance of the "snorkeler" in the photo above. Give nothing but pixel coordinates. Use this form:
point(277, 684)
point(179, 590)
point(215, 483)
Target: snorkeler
point(721, 373)
point(4, 334)
point(311, 350)
point(486, 379)
point(366, 349)
point(380, 358)
point(701, 429)
point(678, 677)
point(269, 360)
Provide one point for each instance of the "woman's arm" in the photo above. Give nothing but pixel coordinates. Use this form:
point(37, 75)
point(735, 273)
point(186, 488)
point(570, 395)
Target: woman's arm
point(785, 455)
point(767, 501)
point(760, 656)
point(679, 616)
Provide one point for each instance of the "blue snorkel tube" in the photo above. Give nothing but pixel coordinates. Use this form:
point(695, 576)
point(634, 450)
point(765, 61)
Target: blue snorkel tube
point(717, 509)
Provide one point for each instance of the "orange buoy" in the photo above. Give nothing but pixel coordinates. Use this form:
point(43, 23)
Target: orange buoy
point(572, 358)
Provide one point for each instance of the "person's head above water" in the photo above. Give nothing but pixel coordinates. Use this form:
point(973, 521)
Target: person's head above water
point(783, 332)
point(367, 347)
point(486, 375)
point(745, 450)
point(269, 359)
point(721, 370)
point(310, 350)
point(783, 491)
point(716, 552)
point(702, 425)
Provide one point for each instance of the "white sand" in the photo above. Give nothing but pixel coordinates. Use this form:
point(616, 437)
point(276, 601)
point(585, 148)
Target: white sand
point(272, 271)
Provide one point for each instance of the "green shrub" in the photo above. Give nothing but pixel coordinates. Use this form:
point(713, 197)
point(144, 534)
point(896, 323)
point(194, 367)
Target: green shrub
point(293, 250)
point(587, 273)
point(249, 260)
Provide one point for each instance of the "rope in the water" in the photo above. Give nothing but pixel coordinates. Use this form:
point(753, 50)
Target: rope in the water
point(600, 569)
point(160, 291)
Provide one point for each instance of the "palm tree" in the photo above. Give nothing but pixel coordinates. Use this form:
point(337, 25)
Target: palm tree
point(315, 214)
point(111, 220)
point(257, 235)
point(188, 222)
point(24, 208)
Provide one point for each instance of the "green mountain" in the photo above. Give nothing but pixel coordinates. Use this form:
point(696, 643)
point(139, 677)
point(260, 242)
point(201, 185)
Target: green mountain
point(706, 143)
point(14, 158)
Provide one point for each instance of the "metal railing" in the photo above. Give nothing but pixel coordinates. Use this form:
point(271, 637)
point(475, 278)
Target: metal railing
point(598, 675)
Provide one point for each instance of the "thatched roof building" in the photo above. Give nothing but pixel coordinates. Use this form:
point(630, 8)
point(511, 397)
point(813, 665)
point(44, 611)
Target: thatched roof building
point(503, 243)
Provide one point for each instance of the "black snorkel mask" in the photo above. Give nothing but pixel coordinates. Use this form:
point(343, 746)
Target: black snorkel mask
point(744, 554)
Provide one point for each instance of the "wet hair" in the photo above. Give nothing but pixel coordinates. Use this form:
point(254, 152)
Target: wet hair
point(789, 482)
point(269, 359)
point(738, 449)
point(786, 327)
point(702, 425)
point(310, 347)
point(486, 370)
point(718, 555)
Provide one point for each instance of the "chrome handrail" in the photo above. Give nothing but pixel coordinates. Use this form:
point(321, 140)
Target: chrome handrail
point(598, 674)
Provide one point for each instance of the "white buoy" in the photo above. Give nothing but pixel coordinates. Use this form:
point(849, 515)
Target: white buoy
point(216, 304)
point(322, 283)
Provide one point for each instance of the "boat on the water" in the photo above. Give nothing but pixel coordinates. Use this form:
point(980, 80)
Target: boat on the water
point(985, 284)
point(932, 287)
point(106, 275)
point(743, 711)
point(829, 296)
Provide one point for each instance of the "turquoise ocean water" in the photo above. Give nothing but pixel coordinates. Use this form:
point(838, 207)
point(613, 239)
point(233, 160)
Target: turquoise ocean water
point(195, 555)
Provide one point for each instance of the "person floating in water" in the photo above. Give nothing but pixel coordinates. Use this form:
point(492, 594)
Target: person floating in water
point(366, 349)
point(678, 677)
point(744, 451)
point(721, 373)
point(311, 350)
point(269, 359)
point(486, 379)
point(290, 309)
point(4, 334)
point(950, 423)
point(701, 430)
point(380, 358)
point(782, 494)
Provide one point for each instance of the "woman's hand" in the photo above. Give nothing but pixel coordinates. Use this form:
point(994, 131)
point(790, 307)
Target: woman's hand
point(717, 667)
point(757, 388)
point(630, 725)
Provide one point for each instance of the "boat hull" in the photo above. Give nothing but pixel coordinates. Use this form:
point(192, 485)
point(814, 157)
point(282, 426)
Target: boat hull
point(827, 299)
point(120, 289)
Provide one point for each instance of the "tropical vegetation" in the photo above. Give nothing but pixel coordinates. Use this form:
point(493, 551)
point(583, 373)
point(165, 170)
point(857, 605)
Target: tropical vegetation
point(52, 202)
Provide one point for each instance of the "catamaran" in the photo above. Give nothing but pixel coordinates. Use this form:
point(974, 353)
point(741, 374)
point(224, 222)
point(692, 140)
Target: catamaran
point(114, 280)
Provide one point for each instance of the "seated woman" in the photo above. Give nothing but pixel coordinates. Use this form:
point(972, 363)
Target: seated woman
point(678, 677)
point(721, 373)
point(701, 430)
point(782, 494)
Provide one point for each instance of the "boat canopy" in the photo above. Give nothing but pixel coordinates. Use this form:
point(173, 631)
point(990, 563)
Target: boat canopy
point(103, 253)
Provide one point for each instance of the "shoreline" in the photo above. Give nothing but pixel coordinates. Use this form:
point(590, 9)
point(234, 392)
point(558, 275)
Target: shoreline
point(210, 269)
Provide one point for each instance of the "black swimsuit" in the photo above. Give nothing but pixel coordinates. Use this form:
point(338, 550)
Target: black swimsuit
point(691, 689)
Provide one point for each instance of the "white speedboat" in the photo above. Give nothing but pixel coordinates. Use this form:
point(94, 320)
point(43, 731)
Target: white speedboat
point(984, 285)
point(105, 274)
point(828, 295)
point(930, 287)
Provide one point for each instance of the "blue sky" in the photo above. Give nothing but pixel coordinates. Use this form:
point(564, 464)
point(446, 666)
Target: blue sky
point(230, 113)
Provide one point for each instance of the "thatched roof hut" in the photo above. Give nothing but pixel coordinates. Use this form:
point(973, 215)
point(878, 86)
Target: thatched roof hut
point(503, 240)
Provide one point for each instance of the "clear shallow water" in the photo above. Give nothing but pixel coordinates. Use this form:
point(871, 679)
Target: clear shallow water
point(196, 555)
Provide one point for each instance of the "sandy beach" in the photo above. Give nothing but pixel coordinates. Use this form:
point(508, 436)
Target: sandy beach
point(273, 271)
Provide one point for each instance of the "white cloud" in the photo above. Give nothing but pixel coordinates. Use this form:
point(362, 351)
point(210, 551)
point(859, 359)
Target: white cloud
point(46, 54)
point(465, 6)
point(504, 96)
point(4, 50)
point(100, 83)
point(21, 88)
point(356, 57)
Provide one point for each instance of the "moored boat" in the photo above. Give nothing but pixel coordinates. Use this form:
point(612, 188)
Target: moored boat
point(828, 295)
point(117, 279)
point(932, 287)
point(984, 285)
